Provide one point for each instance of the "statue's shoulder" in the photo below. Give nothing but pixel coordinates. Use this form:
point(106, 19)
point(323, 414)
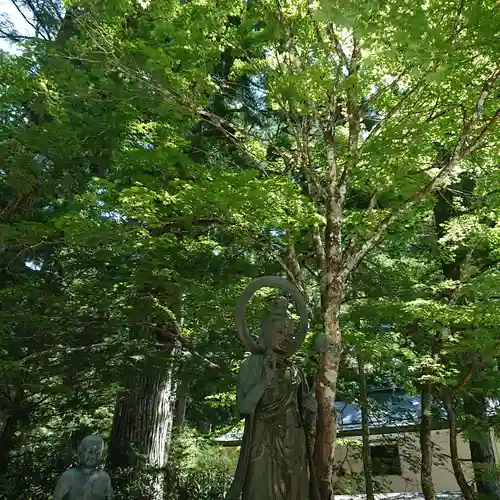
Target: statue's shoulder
point(252, 362)
point(251, 369)
point(69, 474)
point(65, 483)
point(101, 474)
point(100, 484)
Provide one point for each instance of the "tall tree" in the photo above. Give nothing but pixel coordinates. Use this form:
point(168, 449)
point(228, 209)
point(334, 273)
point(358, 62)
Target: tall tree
point(363, 111)
point(169, 150)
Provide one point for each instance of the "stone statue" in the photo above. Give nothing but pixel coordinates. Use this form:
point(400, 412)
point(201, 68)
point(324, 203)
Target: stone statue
point(85, 482)
point(275, 458)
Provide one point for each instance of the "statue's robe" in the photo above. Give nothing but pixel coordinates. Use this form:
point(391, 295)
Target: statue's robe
point(74, 484)
point(273, 461)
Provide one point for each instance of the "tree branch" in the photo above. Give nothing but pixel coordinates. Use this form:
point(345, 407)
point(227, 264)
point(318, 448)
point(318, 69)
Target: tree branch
point(477, 142)
point(456, 23)
point(382, 90)
point(315, 189)
point(40, 24)
point(484, 269)
point(295, 270)
point(466, 378)
point(24, 16)
point(336, 44)
point(319, 248)
point(393, 110)
point(354, 117)
point(353, 259)
point(187, 344)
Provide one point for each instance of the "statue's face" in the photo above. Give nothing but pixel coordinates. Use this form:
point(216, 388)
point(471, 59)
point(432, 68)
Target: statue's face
point(90, 451)
point(279, 307)
point(282, 336)
point(284, 342)
point(277, 333)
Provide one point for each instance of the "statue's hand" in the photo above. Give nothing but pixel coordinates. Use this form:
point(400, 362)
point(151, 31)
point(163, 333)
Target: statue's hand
point(308, 412)
point(310, 404)
point(269, 374)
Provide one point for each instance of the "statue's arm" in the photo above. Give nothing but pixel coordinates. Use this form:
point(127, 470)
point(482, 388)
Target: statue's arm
point(253, 380)
point(309, 405)
point(248, 404)
point(103, 485)
point(109, 490)
point(63, 485)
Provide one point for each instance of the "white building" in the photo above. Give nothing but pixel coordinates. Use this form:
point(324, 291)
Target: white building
point(395, 447)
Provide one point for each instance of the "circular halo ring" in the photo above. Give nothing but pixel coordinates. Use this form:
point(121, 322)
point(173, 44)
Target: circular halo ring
point(272, 282)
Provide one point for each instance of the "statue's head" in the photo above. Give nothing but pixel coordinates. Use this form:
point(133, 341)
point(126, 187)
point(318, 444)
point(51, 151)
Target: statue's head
point(277, 329)
point(279, 307)
point(90, 452)
point(275, 336)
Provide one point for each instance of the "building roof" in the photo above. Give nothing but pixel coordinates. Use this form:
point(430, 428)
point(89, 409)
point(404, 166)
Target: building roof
point(391, 410)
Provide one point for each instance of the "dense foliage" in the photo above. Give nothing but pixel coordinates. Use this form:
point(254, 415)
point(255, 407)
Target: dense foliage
point(156, 156)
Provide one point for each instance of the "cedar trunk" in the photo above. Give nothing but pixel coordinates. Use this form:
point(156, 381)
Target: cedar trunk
point(481, 450)
point(140, 435)
point(466, 490)
point(181, 404)
point(365, 429)
point(426, 443)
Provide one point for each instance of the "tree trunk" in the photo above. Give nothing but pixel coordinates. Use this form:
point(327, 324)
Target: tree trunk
point(326, 382)
point(140, 434)
point(481, 450)
point(11, 426)
point(365, 429)
point(181, 404)
point(482, 454)
point(426, 443)
point(466, 490)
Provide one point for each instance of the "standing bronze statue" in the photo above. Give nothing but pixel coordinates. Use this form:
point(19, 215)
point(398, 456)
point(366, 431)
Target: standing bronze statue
point(272, 394)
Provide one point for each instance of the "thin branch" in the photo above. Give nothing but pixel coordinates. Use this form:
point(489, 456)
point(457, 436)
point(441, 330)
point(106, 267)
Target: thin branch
point(382, 90)
point(41, 25)
point(484, 269)
point(336, 44)
point(438, 115)
point(455, 31)
point(287, 270)
point(466, 378)
point(311, 271)
point(178, 337)
point(393, 111)
point(461, 460)
point(16, 38)
point(477, 142)
point(52, 351)
point(353, 259)
point(319, 248)
point(316, 190)
point(24, 16)
point(189, 346)
point(295, 269)
point(103, 345)
point(354, 117)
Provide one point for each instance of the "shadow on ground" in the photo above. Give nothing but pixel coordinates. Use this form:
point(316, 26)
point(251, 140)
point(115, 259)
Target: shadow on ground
point(442, 495)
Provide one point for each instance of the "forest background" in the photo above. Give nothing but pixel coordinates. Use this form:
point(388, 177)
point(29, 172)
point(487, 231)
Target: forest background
point(156, 156)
